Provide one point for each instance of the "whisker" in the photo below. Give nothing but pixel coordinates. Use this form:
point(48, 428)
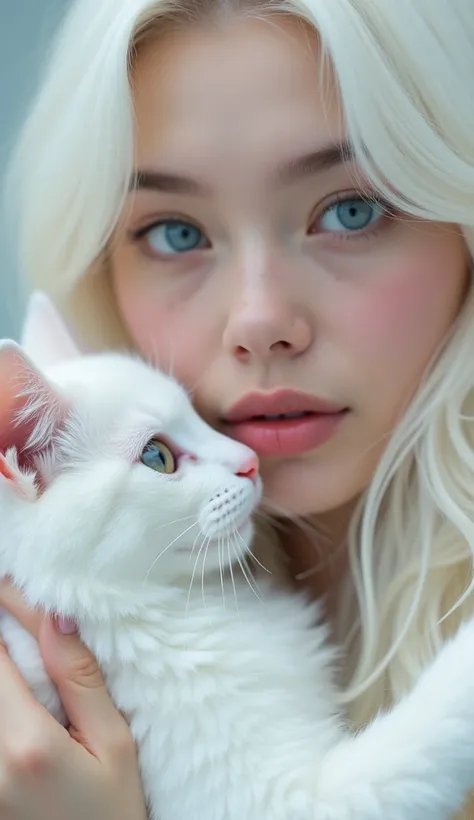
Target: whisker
point(251, 573)
point(254, 558)
point(194, 573)
point(315, 531)
point(250, 581)
point(155, 357)
point(167, 548)
point(150, 358)
point(194, 544)
point(232, 575)
point(313, 527)
point(221, 569)
point(327, 551)
point(252, 555)
point(176, 521)
point(171, 359)
point(192, 390)
point(202, 573)
point(327, 561)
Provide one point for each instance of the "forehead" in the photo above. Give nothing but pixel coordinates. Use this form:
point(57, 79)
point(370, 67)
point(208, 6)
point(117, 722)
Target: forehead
point(213, 101)
point(116, 386)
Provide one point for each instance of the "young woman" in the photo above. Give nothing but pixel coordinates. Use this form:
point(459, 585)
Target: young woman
point(275, 200)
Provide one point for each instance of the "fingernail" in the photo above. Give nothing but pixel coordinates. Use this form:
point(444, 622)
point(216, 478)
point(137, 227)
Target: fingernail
point(67, 626)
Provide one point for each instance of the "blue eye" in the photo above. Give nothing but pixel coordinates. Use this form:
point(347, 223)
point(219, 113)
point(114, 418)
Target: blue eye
point(351, 215)
point(174, 236)
point(158, 457)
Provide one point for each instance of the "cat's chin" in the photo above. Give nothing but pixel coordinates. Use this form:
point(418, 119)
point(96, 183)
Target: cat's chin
point(239, 543)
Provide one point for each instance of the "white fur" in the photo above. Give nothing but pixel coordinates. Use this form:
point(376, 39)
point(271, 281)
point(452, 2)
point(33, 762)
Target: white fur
point(230, 697)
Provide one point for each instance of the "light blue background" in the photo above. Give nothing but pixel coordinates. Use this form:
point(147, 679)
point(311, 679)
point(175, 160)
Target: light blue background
point(26, 28)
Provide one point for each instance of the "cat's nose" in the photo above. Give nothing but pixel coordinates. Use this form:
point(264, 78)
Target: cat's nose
point(249, 469)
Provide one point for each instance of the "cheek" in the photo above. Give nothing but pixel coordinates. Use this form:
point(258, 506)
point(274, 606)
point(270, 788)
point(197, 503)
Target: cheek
point(395, 321)
point(163, 330)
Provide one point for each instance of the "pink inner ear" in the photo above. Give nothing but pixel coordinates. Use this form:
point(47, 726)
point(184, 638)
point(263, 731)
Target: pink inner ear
point(30, 409)
point(5, 469)
point(26, 485)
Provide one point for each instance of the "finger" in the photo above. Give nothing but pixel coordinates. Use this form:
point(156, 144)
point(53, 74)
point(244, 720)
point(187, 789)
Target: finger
point(95, 721)
point(12, 600)
point(18, 706)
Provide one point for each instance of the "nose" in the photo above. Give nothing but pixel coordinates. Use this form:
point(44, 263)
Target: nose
point(249, 469)
point(266, 320)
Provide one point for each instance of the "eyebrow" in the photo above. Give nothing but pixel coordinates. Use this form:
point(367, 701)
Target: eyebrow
point(314, 163)
point(291, 171)
point(167, 183)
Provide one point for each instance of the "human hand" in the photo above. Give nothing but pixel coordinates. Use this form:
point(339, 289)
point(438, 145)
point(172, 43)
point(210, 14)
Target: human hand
point(89, 772)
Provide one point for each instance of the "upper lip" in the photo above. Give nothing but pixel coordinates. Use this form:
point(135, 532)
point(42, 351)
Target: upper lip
point(280, 402)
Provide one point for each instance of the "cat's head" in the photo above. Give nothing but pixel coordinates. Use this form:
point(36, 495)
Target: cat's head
point(108, 477)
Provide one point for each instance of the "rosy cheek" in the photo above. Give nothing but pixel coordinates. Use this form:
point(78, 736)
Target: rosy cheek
point(386, 313)
point(402, 315)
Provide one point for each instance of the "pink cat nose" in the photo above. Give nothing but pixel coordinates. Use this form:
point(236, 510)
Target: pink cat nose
point(249, 469)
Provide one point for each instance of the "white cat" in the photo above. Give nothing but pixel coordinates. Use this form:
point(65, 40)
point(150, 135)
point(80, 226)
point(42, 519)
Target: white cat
point(122, 508)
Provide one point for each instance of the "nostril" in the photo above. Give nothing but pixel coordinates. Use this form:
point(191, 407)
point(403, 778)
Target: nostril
point(252, 474)
point(250, 469)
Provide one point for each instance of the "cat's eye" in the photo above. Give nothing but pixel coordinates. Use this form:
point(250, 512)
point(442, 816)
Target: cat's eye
point(158, 456)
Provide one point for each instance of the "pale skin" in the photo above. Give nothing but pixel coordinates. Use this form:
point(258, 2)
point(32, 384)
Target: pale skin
point(256, 277)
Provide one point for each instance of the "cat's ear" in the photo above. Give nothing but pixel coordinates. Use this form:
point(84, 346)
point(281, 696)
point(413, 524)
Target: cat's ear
point(22, 482)
point(31, 409)
point(46, 338)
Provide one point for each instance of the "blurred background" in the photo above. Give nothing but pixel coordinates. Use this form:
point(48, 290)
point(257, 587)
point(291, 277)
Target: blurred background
point(26, 29)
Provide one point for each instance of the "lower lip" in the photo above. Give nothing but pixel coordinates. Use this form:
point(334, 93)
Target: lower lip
point(286, 437)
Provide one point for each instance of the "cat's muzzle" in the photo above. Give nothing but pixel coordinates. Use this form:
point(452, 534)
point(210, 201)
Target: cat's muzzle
point(228, 510)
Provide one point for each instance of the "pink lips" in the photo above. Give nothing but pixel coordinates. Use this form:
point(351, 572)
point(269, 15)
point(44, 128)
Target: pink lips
point(284, 423)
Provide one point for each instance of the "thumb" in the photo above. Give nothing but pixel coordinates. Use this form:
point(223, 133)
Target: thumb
point(95, 722)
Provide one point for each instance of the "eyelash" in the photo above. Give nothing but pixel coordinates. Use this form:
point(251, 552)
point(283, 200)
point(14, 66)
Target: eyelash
point(368, 233)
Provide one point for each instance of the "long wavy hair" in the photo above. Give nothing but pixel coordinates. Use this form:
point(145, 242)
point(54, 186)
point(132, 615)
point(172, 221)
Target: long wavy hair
point(404, 72)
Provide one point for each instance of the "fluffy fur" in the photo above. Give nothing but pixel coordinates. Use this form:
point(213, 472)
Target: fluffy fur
point(229, 694)
point(410, 117)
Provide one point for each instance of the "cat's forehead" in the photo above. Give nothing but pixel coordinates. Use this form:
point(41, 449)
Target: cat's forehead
point(113, 383)
point(118, 403)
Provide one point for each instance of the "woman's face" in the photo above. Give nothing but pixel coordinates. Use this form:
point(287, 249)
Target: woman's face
point(250, 261)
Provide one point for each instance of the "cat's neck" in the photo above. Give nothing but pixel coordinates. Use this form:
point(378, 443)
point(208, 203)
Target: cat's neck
point(172, 619)
point(94, 603)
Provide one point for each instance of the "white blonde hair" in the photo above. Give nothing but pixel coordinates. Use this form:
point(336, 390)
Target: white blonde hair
point(404, 70)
